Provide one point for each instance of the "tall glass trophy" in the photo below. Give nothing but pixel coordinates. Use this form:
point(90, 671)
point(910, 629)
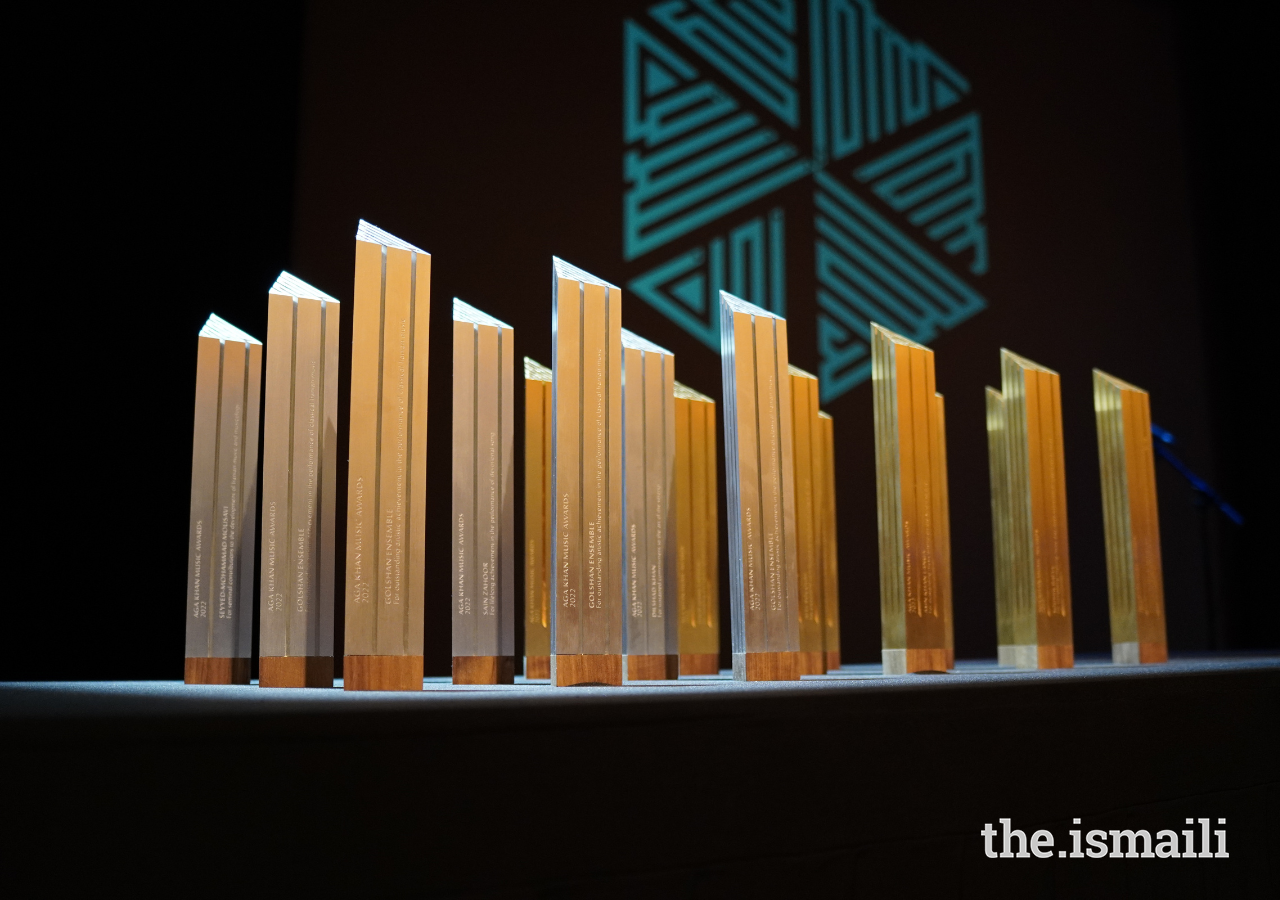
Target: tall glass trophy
point(299, 486)
point(761, 493)
point(586, 479)
point(224, 499)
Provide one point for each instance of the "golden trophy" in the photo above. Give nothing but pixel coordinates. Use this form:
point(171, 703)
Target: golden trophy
point(386, 484)
point(299, 486)
point(1029, 517)
point(1134, 580)
point(224, 499)
point(537, 520)
point(483, 513)
point(806, 445)
point(910, 469)
point(830, 565)
point(697, 533)
point(761, 493)
point(586, 479)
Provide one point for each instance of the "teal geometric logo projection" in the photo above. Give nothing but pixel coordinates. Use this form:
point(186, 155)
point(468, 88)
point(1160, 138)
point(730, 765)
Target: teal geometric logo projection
point(731, 107)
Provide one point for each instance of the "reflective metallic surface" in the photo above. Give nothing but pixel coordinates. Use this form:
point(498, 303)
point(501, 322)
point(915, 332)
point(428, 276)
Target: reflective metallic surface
point(761, 493)
point(1134, 579)
point(387, 475)
point(537, 520)
point(224, 482)
point(697, 532)
point(649, 625)
point(909, 451)
point(1029, 506)
point(482, 558)
point(299, 467)
point(586, 617)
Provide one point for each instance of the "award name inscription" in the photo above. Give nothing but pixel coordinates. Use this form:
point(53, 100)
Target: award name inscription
point(299, 488)
point(222, 527)
point(761, 493)
point(586, 477)
point(386, 526)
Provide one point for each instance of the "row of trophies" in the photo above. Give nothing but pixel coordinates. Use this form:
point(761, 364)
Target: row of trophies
point(621, 542)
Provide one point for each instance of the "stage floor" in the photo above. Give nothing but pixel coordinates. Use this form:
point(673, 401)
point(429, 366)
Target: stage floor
point(847, 784)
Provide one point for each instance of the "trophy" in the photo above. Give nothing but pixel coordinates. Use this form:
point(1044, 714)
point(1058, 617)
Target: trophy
point(807, 456)
point(386, 484)
point(1029, 517)
point(483, 564)
point(649, 620)
point(224, 497)
point(909, 451)
point(697, 537)
point(1134, 580)
point(586, 479)
point(537, 519)
point(830, 564)
point(761, 494)
point(299, 486)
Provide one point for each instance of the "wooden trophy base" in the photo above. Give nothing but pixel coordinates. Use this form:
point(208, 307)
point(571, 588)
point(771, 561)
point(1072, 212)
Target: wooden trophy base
point(833, 660)
point(653, 667)
point(902, 662)
point(568, 670)
point(484, 670)
point(781, 666)
point(1056, 656)
point(295, 671)
point(699, 663)
point(382, 673)
point(811, 662)
point(537, 667)
point(951, 659)
point(216, 670)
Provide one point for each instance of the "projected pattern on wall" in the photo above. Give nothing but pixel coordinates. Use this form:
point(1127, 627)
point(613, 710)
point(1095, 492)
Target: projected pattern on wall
point(717, 106)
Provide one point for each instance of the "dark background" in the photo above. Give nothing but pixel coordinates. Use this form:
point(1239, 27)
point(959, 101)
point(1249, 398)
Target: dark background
point(172, 164)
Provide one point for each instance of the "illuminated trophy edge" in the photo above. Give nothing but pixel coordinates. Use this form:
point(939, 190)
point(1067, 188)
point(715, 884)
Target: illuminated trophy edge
point(224, 476)
point(1131, 521)
point(299, 486)
point(697, 529)
point(830, 545)
point(483, 520)
point(908, 445)
point(761, 499)
point(586, 479)
point(537, 519)
point(650, 619)
point(386, 484)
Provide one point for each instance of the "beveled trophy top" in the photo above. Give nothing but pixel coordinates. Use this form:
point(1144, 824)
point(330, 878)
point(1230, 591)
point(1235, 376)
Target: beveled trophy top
point(288, 285)
point(633, 341)
point(894, 337)
point(571, 272)
point(465, 312)
point(737, 304)
point(225, 331)
point(374, 235)
point(799, 372)
point(684, 392)
point(535, 371)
